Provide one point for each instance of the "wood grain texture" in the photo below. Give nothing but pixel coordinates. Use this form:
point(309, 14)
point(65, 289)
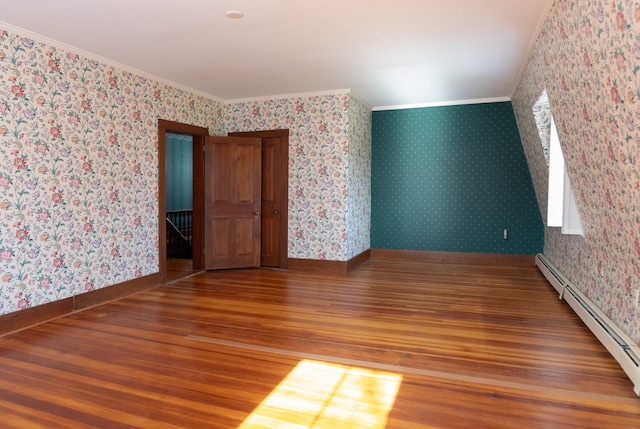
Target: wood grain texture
point(279, 139)
point(473, 346)
point(32, 316)
point(179, 268)
point(340, 267)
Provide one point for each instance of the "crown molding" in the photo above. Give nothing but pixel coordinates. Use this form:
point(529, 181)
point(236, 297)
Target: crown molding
point(90, 55)
point(444, 103)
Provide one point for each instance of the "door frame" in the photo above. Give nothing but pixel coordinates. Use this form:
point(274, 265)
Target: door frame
point(198, 134)
point(284, 186)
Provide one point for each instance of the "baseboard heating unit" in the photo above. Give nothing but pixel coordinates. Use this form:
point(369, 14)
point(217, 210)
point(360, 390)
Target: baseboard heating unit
point(619, 344)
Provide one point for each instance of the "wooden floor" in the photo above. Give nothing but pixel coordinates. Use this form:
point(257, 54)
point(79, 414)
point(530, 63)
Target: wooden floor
point(179, 268)
point(390, 345)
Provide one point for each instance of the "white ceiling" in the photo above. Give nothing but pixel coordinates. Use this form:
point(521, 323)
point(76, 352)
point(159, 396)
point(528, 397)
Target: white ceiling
point(389, 53)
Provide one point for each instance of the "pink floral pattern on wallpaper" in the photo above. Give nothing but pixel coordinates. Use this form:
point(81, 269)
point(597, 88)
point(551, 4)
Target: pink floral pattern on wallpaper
point(588, 59)
point(78, 170)
point(319, 151)
point(359, 179)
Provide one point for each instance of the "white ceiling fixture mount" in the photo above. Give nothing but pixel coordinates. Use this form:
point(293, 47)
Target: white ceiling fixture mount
point(234, 14)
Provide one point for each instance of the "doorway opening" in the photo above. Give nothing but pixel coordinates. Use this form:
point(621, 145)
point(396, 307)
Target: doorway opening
point(274, 205)
point(179, 204)
point(171, 268)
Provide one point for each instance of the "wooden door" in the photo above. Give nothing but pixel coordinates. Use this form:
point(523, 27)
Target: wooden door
point(275, 195)
point(232, 202)
point(270, 203)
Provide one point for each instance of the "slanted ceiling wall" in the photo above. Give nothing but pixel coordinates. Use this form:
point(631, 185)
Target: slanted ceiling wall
point(587, 57)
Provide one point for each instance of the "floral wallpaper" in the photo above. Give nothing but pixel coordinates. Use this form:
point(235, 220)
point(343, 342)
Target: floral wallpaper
point(319, 156)
point(587, 57)
point(359, 179)
point(78, 170)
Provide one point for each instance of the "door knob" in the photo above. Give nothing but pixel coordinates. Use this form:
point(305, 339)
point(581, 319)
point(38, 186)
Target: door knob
point(276, 212)
point(256, 213)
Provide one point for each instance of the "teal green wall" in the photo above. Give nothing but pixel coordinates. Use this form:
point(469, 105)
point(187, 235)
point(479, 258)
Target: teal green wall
point(452, 179)
point(179, 171)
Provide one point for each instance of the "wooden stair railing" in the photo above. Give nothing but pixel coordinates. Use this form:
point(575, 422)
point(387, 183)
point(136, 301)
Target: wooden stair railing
point(183, 221)
point(177, 244)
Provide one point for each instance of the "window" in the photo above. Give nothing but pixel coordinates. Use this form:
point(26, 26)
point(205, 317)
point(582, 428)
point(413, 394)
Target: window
point(562, 211)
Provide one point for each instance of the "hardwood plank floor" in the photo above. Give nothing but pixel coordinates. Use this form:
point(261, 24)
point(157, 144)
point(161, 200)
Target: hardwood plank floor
point(179, 268)
point(390, 345)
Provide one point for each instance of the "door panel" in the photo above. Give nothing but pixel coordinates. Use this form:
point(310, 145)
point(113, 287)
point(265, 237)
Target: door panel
point(269, 257)
point(221, 172)
point(244, 237)
point(270, 202)
point(275, 186)
point(232, 202)
point(245, 176)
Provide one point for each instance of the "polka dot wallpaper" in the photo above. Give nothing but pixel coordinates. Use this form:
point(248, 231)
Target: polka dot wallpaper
point(452, 179)
point(179, 171)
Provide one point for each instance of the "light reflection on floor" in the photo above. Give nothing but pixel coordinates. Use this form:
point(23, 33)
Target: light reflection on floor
point(325, 395)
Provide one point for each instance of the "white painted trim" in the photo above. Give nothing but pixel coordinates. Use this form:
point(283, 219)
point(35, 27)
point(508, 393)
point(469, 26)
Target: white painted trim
point(345, 91)
point(622, 347)
point(555, 190)
point(571, 223)
point(532, 44)
point(90, 55)
point(444, 103)
point(296, 95)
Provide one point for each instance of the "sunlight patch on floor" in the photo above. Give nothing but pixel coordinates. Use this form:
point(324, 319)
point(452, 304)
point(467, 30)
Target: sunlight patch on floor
point(324, 395)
